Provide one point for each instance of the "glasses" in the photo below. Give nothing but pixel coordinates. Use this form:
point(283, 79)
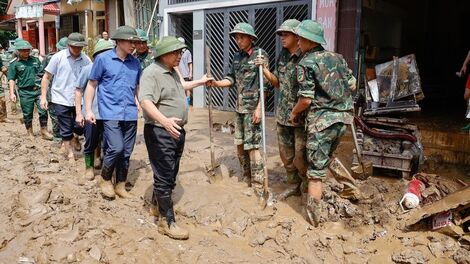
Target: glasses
point(177, 52)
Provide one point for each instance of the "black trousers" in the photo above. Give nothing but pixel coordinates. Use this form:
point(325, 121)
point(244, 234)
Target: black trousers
point(164, 154)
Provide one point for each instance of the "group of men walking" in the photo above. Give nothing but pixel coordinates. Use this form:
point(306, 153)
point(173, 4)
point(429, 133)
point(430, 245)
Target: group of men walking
point(314, 107)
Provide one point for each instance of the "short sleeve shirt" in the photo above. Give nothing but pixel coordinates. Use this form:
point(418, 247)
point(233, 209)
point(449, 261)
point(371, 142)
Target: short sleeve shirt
point(25, 72)
point(324, 77)
point(117, 83)
point(81, 84)
point(186, 59)
point(288, 86)
point(244, 77)
point(65, 70)
point(163, 87)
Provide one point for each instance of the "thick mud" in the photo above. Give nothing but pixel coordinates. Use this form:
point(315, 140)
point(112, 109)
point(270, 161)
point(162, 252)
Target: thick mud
point(50, 214)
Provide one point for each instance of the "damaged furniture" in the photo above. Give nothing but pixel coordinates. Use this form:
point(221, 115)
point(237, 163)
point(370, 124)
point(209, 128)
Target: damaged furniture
point(391, 142)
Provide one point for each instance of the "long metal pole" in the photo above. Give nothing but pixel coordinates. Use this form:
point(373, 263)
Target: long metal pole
point(263, 126)
point(151, 18)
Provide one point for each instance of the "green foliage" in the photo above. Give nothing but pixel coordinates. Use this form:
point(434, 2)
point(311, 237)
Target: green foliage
point(5, 36)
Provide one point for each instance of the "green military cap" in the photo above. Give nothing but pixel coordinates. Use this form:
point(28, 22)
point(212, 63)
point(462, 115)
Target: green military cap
point(77, 40)
point(311, 30)
point(125, 33)
point(142, 35)
point(22, 45)
point(244, 28)
point(62, 44)
point(101, 46)
point(288, 26)
point(166, 45)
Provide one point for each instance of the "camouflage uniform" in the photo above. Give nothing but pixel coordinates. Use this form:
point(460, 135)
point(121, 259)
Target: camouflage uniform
point(144, 59)
point(244, 77)
point(50, 108)
point(324, 77)
point(291, 138)
point(3, 106)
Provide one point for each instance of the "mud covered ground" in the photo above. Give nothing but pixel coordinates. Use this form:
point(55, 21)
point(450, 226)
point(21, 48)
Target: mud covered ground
point(49, 214)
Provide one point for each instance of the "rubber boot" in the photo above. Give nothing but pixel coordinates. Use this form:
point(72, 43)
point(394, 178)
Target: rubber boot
point(89, 171)
point(121, 191)
point(167, 224)
point(245, 164)
point(313, 209)
point(107, 188)
point(45, 134)
point(154, 206)
point(98, 163)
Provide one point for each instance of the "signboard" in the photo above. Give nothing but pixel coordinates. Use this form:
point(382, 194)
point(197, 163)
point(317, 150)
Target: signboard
point(29, 11)
point(327, 16)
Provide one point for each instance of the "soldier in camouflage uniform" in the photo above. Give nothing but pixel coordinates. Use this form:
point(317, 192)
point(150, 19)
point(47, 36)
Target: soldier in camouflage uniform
point(62, 44)
point(244, 77)
point(142, 52)
point(3, 71)
point(325, 87)
point(291, 137)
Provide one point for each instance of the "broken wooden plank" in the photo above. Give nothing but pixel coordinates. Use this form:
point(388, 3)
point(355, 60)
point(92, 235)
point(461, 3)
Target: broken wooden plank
point(451, 201)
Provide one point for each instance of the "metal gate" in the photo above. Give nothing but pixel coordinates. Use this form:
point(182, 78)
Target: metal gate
point(265, 19)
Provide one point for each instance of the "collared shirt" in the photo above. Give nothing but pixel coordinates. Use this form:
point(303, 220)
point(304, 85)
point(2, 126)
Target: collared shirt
point(163, 87)
point(25, 72)
point(117, 83)
point(325, 78)
point(288, 86)
point(186, 59)
point(65, 69)
point(244, 77)
point(81, 84)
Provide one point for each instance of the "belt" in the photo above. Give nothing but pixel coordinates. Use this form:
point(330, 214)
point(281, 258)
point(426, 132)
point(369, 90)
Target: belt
point(32, 87)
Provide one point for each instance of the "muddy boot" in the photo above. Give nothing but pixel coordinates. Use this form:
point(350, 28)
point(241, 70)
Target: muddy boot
point(97, 162)
point(89, 171)
point(245, 164)
point(291, 190)
point(30, 133)
point(166, 223)
point(3, 111)
point(172, 229)
point(45, 134)
point(121, 191)
point(313, 210)
point(107, 188)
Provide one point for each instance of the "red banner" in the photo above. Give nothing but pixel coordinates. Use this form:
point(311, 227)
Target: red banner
point(327, 16)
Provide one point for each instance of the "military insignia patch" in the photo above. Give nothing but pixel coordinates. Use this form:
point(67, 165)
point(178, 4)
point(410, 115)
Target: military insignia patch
point(300, 74)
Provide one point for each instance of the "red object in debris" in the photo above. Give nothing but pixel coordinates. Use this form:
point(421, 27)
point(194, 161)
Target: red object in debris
point(416, 187)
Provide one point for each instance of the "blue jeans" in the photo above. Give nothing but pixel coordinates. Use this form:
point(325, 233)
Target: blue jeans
point(119, 139)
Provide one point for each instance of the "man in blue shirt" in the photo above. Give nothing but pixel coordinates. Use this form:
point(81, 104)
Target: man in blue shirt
point(116, 74)
point(93, 132)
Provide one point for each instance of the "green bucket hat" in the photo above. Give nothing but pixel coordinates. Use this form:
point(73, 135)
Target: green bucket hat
point(62, 44)
point(125, 33)
point(77, 40)
point(142, 35)
point(288, 26)
point(166, 45)
point(101, 46)
point(22, 45)
point(311, 30)
point(244, 28)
